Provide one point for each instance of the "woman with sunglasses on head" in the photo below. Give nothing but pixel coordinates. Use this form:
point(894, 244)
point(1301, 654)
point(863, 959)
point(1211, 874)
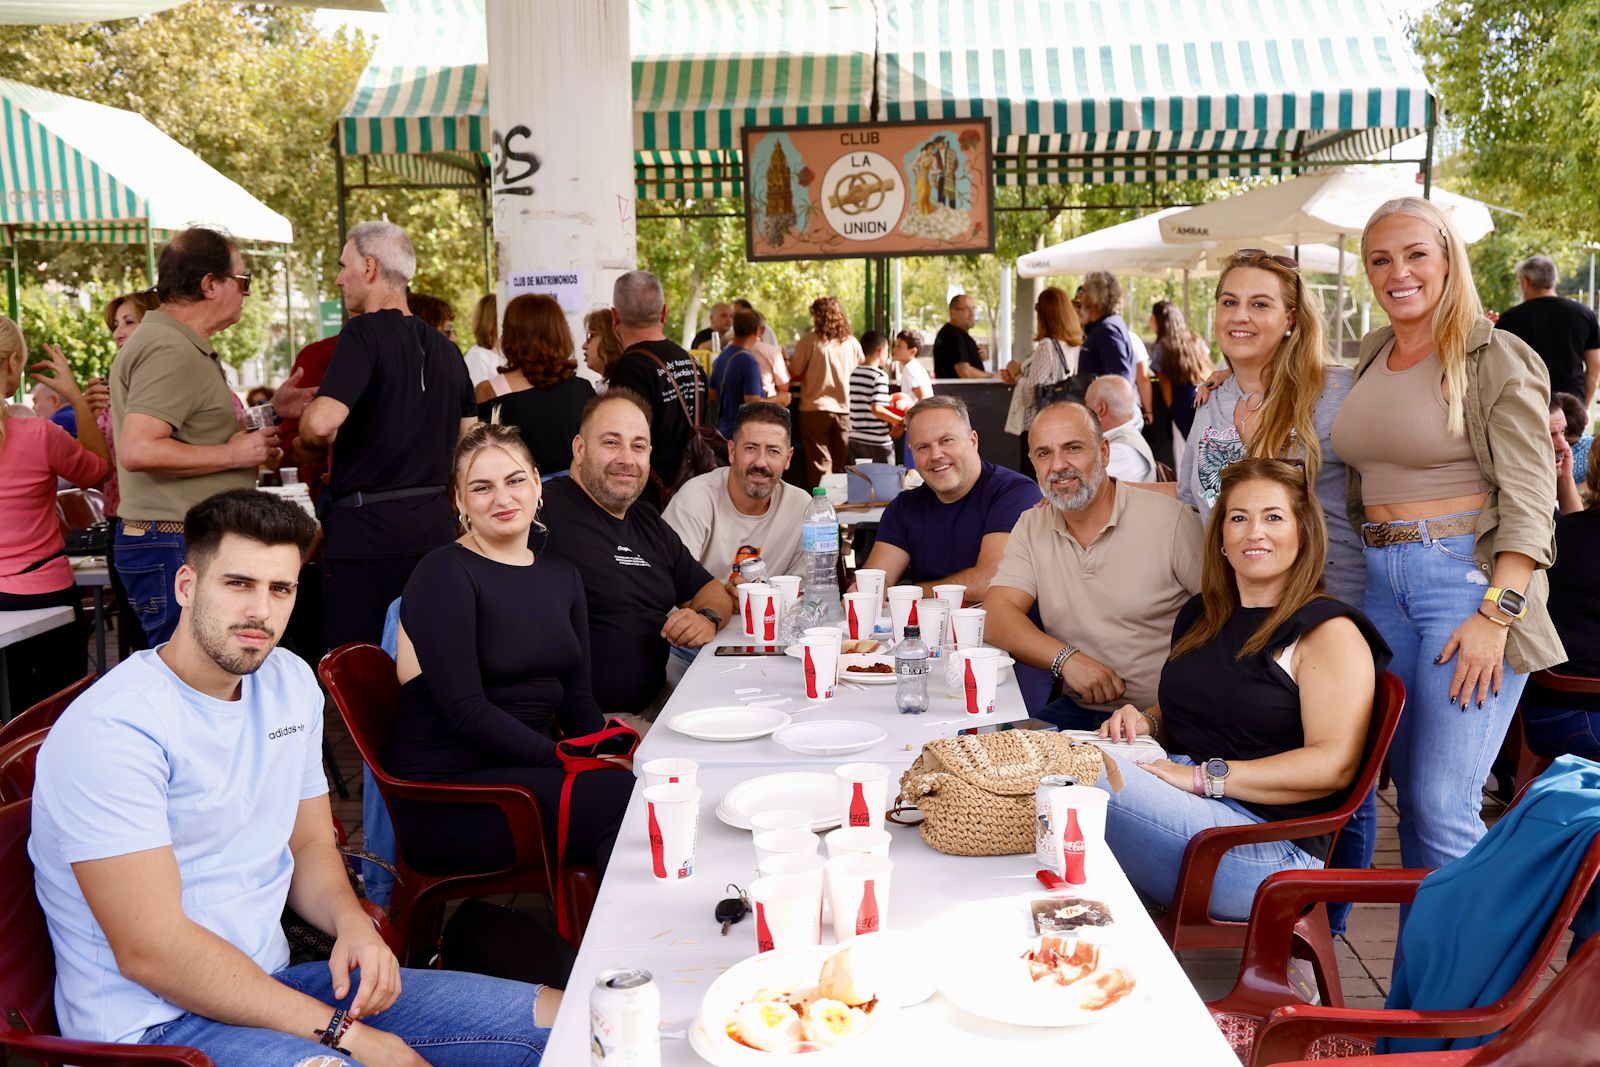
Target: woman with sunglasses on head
point(1451, 485)
point(1264, 701)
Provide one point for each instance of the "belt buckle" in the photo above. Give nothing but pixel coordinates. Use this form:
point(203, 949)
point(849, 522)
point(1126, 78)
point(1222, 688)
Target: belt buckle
point(1386, 534)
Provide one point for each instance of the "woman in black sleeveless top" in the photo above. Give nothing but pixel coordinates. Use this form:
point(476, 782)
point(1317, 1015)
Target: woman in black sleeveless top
point(1264, 702)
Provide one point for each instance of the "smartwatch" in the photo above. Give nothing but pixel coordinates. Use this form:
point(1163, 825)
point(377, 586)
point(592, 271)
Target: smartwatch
point(1216, 772)
point(1510, 603)
point(713, 617)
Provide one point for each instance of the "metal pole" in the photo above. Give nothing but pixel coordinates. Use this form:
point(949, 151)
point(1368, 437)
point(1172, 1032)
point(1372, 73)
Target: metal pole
point(1427, 165)
point(488, 234)
point(900, 296)
point(1186, 317)
point(14, 281)
point(288, 313)
point(338, 177)
point(866, 299)
point(149, 252)
point(1338, 306)
point(1594, 302)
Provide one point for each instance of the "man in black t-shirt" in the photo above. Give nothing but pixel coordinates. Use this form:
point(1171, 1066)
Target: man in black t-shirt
point(1564, 332)
point(721, 323)
point(636, 572)
point(640, 310)
point(955, 353)
point(398, 397)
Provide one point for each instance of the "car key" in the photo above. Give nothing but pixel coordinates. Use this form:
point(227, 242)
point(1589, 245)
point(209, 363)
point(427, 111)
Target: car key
point(732, 909)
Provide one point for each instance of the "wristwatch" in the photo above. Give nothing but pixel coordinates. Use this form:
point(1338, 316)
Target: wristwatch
point(1510, 603)
point(715, 619)
point(1216, 772)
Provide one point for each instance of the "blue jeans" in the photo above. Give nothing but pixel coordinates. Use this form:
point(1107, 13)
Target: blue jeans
point(452, 1019)
point(1417, 594)
point(1149, 824)
point(148, 565)
point(1561, 731)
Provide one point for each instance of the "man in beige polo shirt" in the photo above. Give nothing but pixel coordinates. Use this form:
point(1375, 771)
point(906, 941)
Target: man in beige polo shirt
point(1109, 567)
point(177, 433)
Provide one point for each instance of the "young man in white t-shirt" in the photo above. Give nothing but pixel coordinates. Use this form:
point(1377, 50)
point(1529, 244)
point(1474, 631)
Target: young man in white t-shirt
point(182, 802)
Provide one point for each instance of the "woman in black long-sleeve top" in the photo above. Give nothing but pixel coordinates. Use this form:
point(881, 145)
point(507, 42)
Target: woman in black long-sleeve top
point(493, 657)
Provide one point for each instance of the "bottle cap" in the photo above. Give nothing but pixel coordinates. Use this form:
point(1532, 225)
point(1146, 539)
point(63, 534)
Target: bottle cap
point(913, 631)
point(819, 491)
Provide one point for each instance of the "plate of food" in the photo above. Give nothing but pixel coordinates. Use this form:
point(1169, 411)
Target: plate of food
point(867, 669)
point(1048, 980)
point(829, 737)
point(821, 1002)
point(864, 647)
point(732, 723)
point(815, 792)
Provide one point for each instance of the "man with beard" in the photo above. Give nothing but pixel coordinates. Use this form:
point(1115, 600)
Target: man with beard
point(182, 804)
point(636, 572)
point(1108, 568)
point(745, 509)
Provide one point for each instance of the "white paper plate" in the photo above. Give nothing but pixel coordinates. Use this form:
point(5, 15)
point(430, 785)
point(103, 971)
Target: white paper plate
point(829, 737)
point(814, 792)
point(731, 723)
point(854, 659)
point(988, 977)
point(793, 651)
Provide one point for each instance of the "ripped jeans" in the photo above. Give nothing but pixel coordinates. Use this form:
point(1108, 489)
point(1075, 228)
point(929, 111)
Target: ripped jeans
point(1417, 594)
point(452, 1019)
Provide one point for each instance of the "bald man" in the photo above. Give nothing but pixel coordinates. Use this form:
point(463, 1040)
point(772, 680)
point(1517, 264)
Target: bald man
point(1114, 403)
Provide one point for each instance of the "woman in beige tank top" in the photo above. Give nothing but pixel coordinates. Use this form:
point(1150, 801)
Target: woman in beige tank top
point(1455, 498)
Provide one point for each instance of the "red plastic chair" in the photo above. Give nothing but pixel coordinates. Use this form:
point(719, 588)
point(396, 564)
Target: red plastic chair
point(46, 712)
point(18, 757)
point(1531, 764)
point(28, 972)
point(362, 681)
point(1266, 1015)
point(1188, 922)
point(1558, 1029)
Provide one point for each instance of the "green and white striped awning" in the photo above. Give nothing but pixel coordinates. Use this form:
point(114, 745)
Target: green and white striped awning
point(1079, 90)
point(71, 170)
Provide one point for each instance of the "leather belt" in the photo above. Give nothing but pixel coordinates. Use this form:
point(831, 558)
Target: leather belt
point(1384, 534)
point(145, 526)
point(361, 499)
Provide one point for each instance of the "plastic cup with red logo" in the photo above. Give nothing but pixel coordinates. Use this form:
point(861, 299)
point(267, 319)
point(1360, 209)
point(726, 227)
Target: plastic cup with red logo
point(788, 911)
point(977, 679)
point(819, 659)
point(672, 821)
point(903, 603)
point(863, 792)
point(858, 893)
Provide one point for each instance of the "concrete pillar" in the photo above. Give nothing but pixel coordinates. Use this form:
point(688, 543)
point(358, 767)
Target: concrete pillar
point(561, 107)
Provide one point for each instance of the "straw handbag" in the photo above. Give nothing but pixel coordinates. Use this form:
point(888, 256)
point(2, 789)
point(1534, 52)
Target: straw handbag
point(976, 791)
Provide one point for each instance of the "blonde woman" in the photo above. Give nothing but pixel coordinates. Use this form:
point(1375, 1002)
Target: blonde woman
point(822, 363)
point(601, 345)
point(1451, 485)
point(1056, 342)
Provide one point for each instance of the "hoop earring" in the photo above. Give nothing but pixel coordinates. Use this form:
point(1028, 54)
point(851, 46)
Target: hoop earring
point(466, 523)
point(1224, 551)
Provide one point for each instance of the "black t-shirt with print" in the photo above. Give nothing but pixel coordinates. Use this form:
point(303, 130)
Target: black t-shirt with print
point(635, 572)
point(669, 430)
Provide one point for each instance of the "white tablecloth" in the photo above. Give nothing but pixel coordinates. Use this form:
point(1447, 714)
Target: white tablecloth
point(668, 930)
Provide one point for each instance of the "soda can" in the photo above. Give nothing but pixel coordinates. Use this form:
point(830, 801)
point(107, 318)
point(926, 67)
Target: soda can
point(753, 568)
point(1049, 820)
point(625, 1019)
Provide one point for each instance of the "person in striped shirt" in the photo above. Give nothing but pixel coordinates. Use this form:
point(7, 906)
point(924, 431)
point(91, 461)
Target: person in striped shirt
point(870, 417)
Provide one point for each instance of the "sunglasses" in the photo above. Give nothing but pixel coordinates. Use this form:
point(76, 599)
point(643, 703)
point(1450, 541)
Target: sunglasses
point(244, 283)
point(1261, 253)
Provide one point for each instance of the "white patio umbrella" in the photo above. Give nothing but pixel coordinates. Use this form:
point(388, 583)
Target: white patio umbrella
point(1332, 206)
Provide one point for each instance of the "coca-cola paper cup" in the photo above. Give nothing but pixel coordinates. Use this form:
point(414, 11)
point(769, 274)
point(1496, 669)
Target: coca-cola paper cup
point(764, 610)
point(670, 771)
point(935, 616)
point(784, 842)
point(848, 839)
point(672, 820)
point(860, 615)
point(871, 580)
point(863, 791)
point(903, 602)
point(789, 586)
point(1075, 828)
point(955, 594)
point(747, 622)
point(819, 659)
point(978, 676)
point(858, 893)
point(787, 911)
point(966, 625)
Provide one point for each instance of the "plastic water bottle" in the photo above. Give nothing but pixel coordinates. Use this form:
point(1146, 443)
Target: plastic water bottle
point(911, 673)
point(819, 538)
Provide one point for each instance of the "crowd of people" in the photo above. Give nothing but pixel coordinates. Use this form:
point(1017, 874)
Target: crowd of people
point(558, 545)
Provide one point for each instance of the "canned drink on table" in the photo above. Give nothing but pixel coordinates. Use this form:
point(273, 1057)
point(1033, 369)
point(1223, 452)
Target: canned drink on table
point(625, 1019)
point(752, 567)
point(1050, 818)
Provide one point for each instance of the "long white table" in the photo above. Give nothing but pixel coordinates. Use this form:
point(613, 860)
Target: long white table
point(712, 681)
point(669, 930)
point(19, 626)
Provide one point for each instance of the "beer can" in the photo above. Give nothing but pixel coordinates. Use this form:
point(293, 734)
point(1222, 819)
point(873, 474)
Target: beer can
point(625, 1019)
point(1048, 822)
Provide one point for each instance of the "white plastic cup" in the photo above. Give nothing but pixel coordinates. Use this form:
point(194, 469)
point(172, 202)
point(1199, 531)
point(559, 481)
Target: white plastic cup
point(672, 821)
point(789, 586)
point(858, 893)
point(670, 771)
point(935, 616)
point(764, 612)
point(860, 615)
point(851, 839)
point(784, 842)
point(955, 594)
point(863, 792)
point(871, 580)
point(903, 601)
point(1090, 803)
point(796, 864)
point(966, 624)
point(751, 622)
point(780, 819)
point(819, 656)
point(288, 475)
point(977, 678)
point(788, 913)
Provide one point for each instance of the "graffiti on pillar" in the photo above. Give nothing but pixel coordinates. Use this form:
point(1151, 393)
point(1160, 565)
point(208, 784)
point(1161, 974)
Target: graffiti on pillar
point(512, 166)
